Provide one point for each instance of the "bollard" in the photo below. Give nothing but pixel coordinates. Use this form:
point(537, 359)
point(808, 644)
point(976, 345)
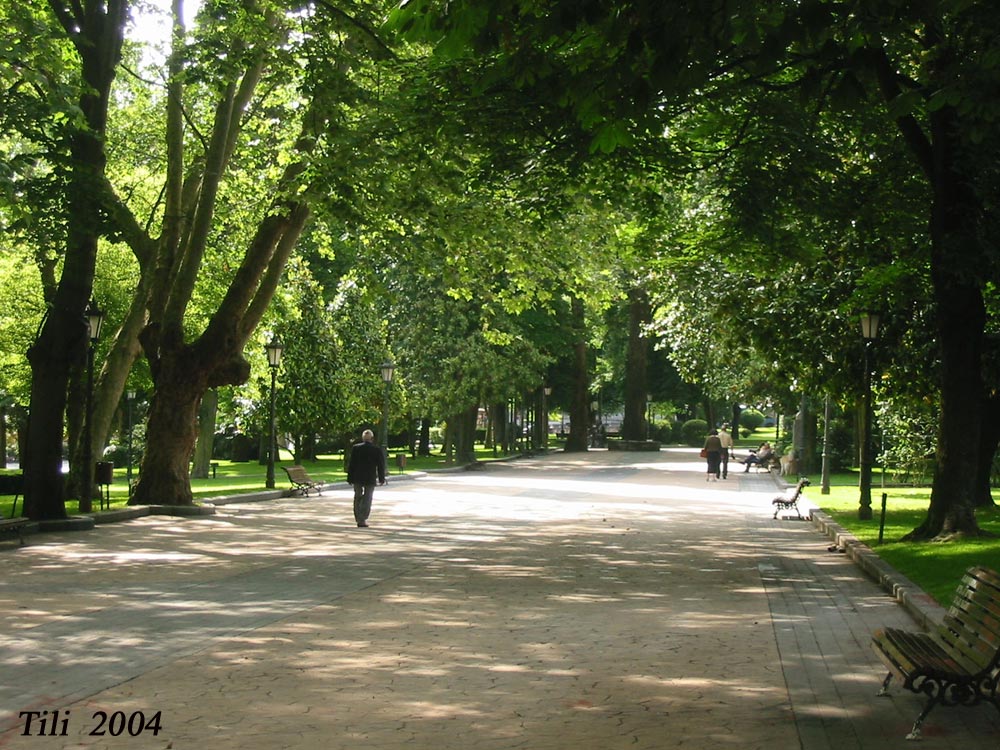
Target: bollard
point(881, 523)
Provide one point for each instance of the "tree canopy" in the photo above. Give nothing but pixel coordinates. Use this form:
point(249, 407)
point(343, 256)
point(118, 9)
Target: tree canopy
point(597, 196)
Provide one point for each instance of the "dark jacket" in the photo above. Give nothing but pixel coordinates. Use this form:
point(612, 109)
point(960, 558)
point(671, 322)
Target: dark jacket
point(367, 463)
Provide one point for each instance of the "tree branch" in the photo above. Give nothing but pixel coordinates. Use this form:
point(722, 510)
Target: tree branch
point(913, 134)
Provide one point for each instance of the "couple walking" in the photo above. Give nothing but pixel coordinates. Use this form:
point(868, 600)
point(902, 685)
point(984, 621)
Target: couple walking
point(717, 449)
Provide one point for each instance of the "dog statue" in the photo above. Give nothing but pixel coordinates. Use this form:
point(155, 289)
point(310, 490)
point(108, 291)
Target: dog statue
point(789, 465)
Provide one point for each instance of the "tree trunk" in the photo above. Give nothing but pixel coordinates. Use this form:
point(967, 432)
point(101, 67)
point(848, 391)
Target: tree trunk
point(501, 427)
point(170, 434)
point(3, 432)
point(62, 340)
point(489, 438)
point(96, 31)
point(425, 437)
point(579, 408)
point(989, 439)
point(206, 434)
point(308, 446)
point(636, 367)
point(449, 440)
point(709, 407)
point(465, 452)
point(961, 319)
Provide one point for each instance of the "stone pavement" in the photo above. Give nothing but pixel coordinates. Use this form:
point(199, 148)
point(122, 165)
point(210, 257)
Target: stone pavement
point(605, 600)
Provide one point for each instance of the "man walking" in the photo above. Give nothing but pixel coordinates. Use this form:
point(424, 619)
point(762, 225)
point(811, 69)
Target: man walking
point(727, 448)
point(365, 466)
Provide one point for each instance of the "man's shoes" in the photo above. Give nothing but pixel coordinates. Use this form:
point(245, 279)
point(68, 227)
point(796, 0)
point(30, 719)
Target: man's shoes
point(362, 525)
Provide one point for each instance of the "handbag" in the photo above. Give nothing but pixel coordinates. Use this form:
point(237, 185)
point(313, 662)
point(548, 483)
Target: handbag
point(704, 453)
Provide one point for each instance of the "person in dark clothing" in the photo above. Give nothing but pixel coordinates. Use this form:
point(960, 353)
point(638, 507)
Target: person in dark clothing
point(713, 455)
point(365, 467)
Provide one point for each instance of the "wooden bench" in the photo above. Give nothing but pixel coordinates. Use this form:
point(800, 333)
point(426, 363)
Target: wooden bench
point(790, 502)
point(958, 664)
point(14, 526)
point(302, 483)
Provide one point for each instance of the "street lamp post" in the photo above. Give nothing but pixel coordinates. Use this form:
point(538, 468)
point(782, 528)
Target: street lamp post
point(129, 399)
point(95, 319)
point(387, 368)
point(273, 349)
point(869, 332)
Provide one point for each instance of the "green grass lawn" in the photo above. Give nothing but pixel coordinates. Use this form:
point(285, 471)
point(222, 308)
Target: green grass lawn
point(935, 567)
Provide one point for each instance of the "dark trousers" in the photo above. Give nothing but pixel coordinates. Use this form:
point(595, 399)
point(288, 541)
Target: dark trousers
point(725, 463)
point(363, 501)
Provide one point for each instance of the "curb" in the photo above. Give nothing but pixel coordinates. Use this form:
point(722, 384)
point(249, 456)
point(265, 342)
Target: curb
point(921, 606)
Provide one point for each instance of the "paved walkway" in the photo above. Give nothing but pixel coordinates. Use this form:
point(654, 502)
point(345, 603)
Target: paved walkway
point(604, 601)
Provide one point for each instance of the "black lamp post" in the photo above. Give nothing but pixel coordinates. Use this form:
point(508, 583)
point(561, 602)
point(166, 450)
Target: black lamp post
point(95, 319)
point(825, 472)
point(869, 332)
point(273, 349)
point(129, 399)
point(387, 369)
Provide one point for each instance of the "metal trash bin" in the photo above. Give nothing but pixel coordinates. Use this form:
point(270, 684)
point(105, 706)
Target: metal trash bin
point(104, 472)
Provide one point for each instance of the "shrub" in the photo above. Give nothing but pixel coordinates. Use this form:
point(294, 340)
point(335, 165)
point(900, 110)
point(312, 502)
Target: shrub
point(693, 432)
point(751, 419)
point(840, 445)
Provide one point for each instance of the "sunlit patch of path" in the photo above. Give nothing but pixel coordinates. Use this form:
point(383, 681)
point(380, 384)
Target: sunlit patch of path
point(596, 601)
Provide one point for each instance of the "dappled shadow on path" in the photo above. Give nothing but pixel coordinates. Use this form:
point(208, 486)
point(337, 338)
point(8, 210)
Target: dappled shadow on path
point(605, 600)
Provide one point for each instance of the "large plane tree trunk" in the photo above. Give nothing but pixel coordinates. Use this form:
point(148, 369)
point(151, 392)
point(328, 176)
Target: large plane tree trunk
point(636, 369)
point(579, 404)
point(96, 29)
point(956, 254)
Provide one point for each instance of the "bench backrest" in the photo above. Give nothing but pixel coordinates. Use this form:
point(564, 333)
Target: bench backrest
point(971, 627)
point(296, 473)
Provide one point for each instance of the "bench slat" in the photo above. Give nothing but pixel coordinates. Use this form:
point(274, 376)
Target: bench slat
point(917, 654)
point(15, 525)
